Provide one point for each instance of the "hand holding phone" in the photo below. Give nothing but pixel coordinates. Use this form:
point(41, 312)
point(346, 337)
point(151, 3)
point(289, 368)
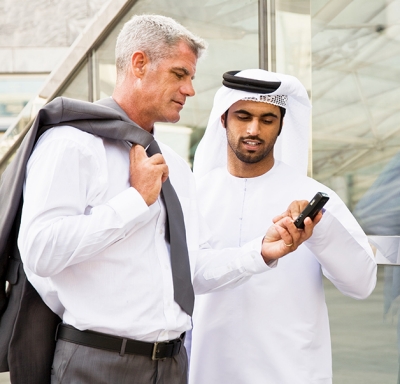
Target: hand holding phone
point(312, 209)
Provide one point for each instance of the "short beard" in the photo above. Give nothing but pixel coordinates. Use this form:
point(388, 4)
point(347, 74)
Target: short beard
point(248, 158)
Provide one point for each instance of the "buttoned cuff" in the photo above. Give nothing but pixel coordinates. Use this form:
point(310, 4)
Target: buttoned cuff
point(253, 261)
point(128, 205)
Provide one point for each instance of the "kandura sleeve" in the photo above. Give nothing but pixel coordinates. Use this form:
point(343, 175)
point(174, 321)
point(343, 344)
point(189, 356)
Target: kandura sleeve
point(342, 249)
point(218, 269)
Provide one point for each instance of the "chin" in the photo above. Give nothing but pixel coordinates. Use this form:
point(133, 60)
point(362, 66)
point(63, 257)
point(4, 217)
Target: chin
point(174, 119)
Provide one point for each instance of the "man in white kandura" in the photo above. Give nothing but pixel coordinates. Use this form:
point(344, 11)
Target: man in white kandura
point(274, 329)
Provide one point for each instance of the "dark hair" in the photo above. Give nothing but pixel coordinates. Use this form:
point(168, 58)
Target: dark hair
point(283, 112)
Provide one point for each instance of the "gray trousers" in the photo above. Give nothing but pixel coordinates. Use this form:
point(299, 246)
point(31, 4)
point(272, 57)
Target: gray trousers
point(78, 364)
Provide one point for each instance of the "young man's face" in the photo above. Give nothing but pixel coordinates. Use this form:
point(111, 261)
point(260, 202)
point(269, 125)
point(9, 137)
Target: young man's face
point(167, 84)
point(252, 129)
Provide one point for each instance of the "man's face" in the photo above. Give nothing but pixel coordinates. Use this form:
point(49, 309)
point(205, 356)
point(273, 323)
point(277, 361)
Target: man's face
point(167, 84)
point(252, 129)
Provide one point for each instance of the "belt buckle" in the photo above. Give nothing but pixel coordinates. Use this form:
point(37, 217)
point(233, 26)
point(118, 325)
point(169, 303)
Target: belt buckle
point(154, 354)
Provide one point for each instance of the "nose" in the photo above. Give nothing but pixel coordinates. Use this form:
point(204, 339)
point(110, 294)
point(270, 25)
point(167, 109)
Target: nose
point(253, 128)
point(187, 89)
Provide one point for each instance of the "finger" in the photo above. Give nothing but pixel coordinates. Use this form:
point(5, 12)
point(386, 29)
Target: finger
point(279, 217)
point(296, 207)
point(165, 173)
point(318, 217)
point(284, 232)
point(308, 228)
point(157, 159)
point(296, 235)
point(137, 153)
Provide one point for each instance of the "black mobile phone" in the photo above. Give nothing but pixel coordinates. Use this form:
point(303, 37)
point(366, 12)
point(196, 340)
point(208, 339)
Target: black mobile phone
point(313, 207)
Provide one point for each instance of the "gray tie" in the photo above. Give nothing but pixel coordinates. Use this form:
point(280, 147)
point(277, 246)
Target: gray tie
point(176, 234)
point(174, 226)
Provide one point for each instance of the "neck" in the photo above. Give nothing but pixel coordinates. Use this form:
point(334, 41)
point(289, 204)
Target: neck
point(240, 169)
point(125, 101)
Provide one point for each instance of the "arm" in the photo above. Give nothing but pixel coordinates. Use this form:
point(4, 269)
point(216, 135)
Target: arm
point(66, 218)
point(342, 248)
point(230, 267)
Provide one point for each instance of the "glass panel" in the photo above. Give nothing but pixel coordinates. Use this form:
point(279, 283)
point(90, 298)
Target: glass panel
point(365, 333)
point(15, 92)
point(231, 29)
point(78, 86)
point(293, 39)
point(356, 114)
point(11, 139)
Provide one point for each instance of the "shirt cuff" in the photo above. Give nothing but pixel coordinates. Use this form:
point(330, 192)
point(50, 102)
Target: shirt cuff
point(128, 205)
point(253, 261)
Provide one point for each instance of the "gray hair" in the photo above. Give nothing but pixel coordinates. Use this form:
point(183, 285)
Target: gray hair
point(155, 35)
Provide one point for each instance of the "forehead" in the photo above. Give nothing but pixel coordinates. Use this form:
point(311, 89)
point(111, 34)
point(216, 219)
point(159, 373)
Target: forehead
point(182, 57)
point(255, 107)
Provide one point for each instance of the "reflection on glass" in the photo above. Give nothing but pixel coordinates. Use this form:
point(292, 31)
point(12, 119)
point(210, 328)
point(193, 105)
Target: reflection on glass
point(78, 86)
point(356, 114)
point(378, 211)
point(391, 305)
point(15, 92)
point(293, 39)
point(386, 249)
point(231, 30)
point(13, 136)
point(365, 332)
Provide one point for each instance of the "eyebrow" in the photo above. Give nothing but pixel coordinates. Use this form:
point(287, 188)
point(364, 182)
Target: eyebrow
point(184, 70)
point(243, 111)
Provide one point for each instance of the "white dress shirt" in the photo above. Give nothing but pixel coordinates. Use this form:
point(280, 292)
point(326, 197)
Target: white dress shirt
point(275, 328)
point(97, 254)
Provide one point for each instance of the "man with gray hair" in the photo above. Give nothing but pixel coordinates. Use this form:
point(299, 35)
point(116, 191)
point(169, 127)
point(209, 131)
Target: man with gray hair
point(110, 235)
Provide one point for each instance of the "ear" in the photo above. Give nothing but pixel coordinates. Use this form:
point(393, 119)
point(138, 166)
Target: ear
point(138, 63)
point(224, 118)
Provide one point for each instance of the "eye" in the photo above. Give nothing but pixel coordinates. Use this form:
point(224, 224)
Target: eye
point(243, 117)
point(267, 121)
point(179, 75)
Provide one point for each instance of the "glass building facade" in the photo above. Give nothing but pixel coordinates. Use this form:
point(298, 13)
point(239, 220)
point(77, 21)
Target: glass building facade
point(347, 55)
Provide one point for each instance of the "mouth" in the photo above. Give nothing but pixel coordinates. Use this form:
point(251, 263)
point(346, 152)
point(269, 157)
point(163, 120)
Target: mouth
point(251, 144)
point(180, 103)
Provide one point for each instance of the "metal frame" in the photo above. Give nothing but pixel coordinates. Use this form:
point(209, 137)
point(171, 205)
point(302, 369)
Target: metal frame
point(267, 34)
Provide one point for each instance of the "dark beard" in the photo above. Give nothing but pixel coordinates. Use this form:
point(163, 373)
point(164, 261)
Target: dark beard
point(249, 158)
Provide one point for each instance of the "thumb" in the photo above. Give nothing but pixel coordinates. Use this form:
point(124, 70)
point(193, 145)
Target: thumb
point(137, 152)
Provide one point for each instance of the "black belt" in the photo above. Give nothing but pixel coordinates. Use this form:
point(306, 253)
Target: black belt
point(156, 351)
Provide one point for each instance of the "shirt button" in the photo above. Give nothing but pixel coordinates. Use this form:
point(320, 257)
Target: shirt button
point(161, 231)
